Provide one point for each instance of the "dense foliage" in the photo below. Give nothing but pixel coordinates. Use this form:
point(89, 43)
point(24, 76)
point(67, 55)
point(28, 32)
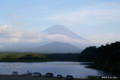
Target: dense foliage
point(109, 57)
point(109, 54)
point(36, 57)
point(25, 58)
point(89, 54)
point(62, 57)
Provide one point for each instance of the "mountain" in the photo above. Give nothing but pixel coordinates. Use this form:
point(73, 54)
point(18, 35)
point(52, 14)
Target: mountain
point(56, 47)
point(21, 47)
point(62, 30)
point(40, 46)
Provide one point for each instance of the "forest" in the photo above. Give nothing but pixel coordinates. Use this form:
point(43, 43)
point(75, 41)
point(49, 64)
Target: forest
point(108, 57)
point(88, 54)
point(36, 57)
point(105, 57)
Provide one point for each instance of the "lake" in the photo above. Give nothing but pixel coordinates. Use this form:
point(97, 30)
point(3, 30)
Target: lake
point(77, 69)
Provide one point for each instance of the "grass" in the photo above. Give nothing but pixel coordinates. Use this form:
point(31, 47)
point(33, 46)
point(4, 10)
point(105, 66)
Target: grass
point(3, 54)
point(18, 54)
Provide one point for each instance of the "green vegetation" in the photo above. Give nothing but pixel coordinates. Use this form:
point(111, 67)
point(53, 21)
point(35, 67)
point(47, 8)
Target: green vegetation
point(88, 55)
point(35, 57)
point(108, 57)
point(105, 57)
point(25, 58)
point(18, 54)
point(62, 57)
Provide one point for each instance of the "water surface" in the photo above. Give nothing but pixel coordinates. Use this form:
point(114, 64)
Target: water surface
point(77, 69)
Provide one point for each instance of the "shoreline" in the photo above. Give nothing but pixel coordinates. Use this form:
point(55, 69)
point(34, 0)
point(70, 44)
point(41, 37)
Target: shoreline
point(107, 69)
point(28, 77)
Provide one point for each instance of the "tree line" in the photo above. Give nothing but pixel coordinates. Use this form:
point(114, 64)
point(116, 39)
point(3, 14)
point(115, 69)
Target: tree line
point(108, 57)
point(32, 57)
point(105, 54)
point(88, 54)
point(25, 58)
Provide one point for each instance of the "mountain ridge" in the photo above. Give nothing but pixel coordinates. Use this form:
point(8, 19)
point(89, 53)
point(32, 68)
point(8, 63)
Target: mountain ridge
point(57, 47)
point(56, 29)
point(62, 30)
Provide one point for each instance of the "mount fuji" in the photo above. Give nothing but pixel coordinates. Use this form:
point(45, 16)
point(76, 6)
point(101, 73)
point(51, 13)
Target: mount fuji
point(62, 30)
point(49, 46)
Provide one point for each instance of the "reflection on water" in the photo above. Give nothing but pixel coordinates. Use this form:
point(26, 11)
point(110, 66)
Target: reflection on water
point(105, 73)
point(77, 69)
point(85, 63)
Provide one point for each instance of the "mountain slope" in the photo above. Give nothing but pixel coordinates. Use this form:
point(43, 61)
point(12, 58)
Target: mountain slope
point(57, 29)
point(88, 54)
point(62, 30)
point(56, 47)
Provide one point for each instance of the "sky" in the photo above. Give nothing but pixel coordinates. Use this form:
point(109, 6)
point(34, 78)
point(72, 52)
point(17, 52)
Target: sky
point(95, 20)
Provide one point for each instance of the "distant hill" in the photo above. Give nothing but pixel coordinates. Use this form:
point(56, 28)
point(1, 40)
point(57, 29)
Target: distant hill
point(62, 30)
point(56, 47)
point(23, 47)
point(89, 54)
point(41, 47)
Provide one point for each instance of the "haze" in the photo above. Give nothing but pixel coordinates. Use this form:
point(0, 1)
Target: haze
point(82, 23)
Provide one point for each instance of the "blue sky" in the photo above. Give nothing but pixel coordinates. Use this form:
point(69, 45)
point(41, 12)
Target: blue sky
point(96, 20)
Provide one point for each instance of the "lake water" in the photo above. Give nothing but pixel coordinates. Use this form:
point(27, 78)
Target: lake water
point(77, 69)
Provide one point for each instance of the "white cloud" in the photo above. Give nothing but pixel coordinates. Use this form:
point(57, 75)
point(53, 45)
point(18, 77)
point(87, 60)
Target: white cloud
point(103, 38)
point(94, 15)
point(8, 31)
point(58, 37)
point(11, 35)
point(8, 34)
point(18, 23)
point(18, 17)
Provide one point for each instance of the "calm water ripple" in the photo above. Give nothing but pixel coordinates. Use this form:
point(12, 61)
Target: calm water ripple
point(64, 68)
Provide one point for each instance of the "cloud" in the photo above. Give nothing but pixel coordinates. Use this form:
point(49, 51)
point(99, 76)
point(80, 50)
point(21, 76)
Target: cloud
point(58, 37)
point(103, 38)
point(10, 34)
point(8, 31)
point(17, 17)
point(93, 15)
point(18, 23)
